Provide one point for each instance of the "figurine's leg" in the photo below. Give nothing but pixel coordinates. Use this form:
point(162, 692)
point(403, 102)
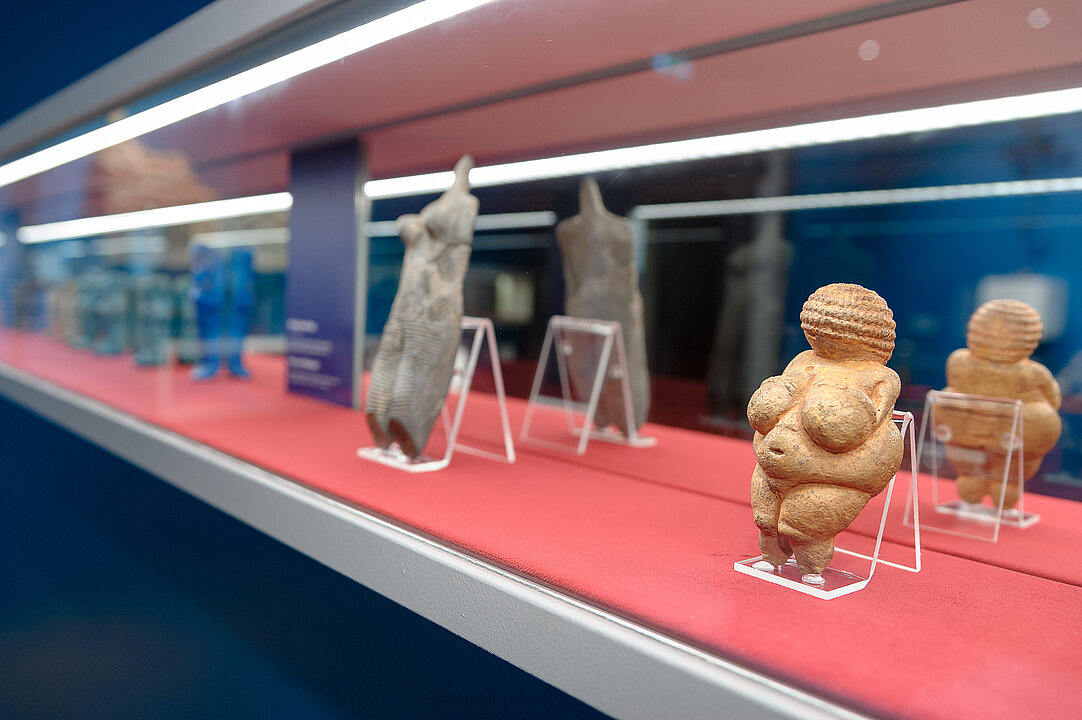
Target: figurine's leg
point(141, 344)
point(381, 382)
point(774, 549)
point(379, 435)
point(811, 515)
point(610, 407)
point(209, 321)
point(118, 335)
point(765, 507)
point(421, 382)
point(159, 341)
point(972, 487)
point(238, 328)
point(405, 437)
point(1012, 492)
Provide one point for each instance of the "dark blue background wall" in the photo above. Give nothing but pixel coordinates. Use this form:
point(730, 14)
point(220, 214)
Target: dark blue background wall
point(926, 259)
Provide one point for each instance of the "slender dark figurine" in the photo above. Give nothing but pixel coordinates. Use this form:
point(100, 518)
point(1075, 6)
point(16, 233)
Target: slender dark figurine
point(217, 289)
point(603, 284)
point(208, 293)
point(153, 314)
point(112, 312)
point(416, 355)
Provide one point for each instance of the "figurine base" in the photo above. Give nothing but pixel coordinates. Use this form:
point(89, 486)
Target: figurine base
point(987, 514)
point(394, 457)
point(618, 438)
point(828, 585)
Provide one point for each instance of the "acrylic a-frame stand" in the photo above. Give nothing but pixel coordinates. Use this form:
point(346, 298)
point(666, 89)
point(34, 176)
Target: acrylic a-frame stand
point(461, 381)
point(943, 413)
point(836, 583)
point(566, 336)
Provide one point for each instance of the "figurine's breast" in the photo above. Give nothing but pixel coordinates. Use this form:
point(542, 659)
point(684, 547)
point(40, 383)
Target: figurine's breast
point(815, 412)
point(773, 398)
point(838, 416)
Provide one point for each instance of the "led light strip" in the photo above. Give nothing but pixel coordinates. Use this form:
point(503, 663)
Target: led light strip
point(248, 237)
point(856, 199)
point(492, 221)
point(277, 202)
point(978, 112)
point(158, 217)
point(262, 76)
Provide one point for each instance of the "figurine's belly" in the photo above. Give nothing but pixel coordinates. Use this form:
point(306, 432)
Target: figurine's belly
point(789, 457)
point(988, 430)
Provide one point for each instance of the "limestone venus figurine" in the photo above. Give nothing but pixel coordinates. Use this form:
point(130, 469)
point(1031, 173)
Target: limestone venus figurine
point(603, 284)
point(825, 440)
point(415, 361)
point(1000, 337)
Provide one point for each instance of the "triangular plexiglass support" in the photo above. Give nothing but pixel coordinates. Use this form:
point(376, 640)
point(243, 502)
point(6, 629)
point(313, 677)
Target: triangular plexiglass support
point(560, 336)
point(955, 516)
point(461, 381)
point(837, 583)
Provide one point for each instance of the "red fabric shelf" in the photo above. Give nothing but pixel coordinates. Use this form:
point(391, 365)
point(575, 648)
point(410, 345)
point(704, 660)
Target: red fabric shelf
point(988, 631)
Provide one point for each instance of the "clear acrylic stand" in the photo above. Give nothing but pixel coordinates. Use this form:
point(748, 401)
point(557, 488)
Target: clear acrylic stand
point(955, 417)
point(568, 337)
point(850, 573)
point(466, 362)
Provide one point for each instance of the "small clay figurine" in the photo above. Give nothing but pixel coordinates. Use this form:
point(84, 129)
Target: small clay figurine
point(66, 327)
point(185, 327)
point(415, 361)
point(208, 293)
point(112, 313)
point(603, 284)
point(216, 289)
point(91, 286)
point(241, 301)
point(1000, 337)
point(824, 436)
point(153, 315)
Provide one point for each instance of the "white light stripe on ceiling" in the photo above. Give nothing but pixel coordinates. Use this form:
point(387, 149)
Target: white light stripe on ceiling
point(244, 83)
point(943, 117)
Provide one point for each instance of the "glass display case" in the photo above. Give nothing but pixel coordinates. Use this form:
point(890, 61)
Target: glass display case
point(757, 153)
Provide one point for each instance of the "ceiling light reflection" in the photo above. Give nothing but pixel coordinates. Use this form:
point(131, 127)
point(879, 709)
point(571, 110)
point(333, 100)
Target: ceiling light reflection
point(262, 76)
point(944, 117)
point(158, 217)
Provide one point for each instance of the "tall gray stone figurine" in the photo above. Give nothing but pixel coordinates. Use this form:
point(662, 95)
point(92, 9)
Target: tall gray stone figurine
point(416, 355)
point(603, 284)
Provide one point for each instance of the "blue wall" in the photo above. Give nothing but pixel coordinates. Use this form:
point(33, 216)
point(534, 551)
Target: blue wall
point(926, 259)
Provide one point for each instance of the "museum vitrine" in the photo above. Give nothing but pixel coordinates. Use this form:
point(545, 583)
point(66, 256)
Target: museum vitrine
point(220, 256)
